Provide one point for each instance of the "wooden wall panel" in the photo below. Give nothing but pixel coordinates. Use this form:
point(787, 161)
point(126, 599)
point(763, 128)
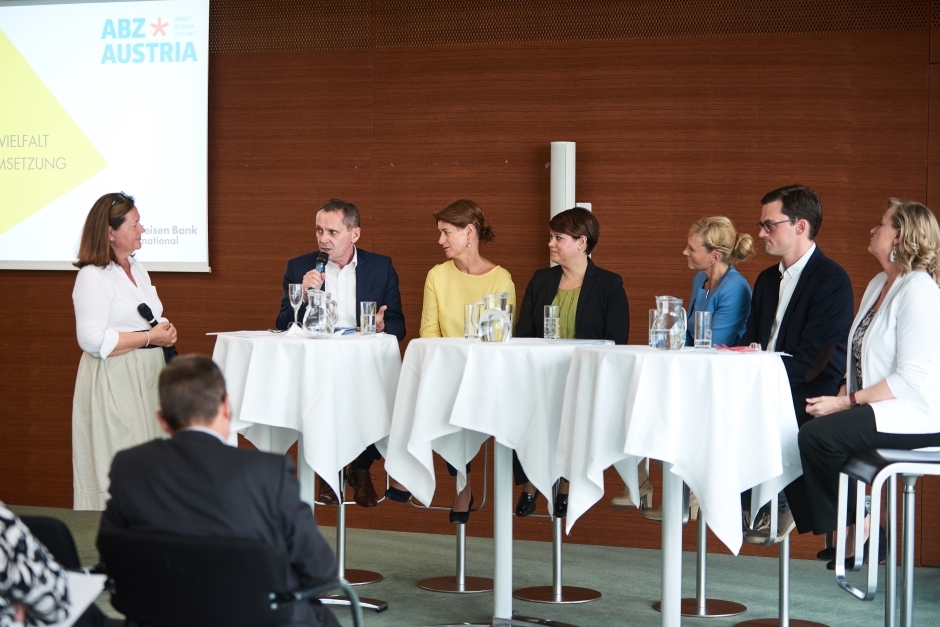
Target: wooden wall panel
point(669, 128)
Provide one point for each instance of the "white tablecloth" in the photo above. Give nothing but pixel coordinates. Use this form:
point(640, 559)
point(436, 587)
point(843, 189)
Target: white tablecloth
point(452, 395)
point(337, 392)
point(455, 393)
point(724, 420)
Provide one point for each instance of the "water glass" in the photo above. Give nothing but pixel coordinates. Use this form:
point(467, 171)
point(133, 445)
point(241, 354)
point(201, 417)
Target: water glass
point(295, 292)
point(703, 329)
point(652, 340)
point(367, 310)
point(552, 328)
point(471, 317)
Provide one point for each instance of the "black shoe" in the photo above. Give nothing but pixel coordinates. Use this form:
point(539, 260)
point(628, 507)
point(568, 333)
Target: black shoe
point(561, 505)
point(882, 553)
point(526, 504)
point(827, 554)
point(461, 518)
point(399, 496)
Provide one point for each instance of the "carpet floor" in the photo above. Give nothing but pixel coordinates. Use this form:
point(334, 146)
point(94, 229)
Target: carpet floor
point(629, 580)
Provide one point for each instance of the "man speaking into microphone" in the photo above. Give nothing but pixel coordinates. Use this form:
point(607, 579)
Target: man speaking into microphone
point(351, 275)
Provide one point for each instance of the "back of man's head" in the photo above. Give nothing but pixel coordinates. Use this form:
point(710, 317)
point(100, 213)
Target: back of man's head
point(350, 211)
point(191, 390)
point(799, 203)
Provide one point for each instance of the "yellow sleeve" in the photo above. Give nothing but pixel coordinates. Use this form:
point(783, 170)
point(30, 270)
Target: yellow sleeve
point(430, 321)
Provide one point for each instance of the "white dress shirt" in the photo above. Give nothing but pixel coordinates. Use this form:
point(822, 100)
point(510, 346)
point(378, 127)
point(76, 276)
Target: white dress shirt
point(902, 347)
point(106, 303)
point(341, 284)
point(789, 277)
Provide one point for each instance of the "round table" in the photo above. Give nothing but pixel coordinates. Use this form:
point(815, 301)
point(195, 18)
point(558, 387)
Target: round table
point(453, 394)
point(722, 422)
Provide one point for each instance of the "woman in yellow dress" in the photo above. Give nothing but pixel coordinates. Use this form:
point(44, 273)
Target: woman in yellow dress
point(464, 278)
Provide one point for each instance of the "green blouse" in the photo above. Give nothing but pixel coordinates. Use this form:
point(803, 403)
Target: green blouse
point(567, 302)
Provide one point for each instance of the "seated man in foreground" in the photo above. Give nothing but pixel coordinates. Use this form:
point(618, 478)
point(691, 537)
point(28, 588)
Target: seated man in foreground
point(195, 484)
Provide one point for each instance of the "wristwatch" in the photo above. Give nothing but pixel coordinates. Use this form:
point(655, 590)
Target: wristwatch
point(852, 401)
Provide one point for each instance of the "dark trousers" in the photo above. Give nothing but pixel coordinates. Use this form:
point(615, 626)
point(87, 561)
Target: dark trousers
point(366, 458)
point(517, 471)
point(825, 444)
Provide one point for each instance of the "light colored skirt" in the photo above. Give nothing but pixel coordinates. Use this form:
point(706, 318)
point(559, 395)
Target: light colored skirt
point(114, 408)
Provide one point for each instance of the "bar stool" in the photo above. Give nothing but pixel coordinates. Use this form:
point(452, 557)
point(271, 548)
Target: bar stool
point(783, 599)
point(353, 576)
point(460, 583)
point(874, 468)
point(556, 593)
point(701, 606)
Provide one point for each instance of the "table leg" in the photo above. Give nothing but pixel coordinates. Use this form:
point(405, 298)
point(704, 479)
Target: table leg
point(502, 532)
point(671, 597)
point(305, 474)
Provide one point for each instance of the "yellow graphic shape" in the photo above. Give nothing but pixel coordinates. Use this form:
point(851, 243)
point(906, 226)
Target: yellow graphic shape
point(43, 153)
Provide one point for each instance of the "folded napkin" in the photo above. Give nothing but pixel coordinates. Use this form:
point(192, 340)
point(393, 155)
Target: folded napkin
point(295, 330)
point(738, 349)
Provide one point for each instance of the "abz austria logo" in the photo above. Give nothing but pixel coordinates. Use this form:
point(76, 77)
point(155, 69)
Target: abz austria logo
point(156, 49)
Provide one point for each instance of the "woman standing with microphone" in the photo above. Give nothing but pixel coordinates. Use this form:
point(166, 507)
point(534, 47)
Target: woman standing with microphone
point(115, 401)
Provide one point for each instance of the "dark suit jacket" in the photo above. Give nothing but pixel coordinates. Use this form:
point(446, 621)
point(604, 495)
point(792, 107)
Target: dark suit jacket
point(602, 314)
point(819, 314)
point(193, 484)
point(376, 281)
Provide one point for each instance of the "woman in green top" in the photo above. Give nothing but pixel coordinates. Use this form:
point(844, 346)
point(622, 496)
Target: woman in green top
point(593, 306)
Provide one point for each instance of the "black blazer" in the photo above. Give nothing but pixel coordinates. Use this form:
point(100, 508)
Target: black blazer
point(819, 315)
point(602, 314)
point(376, 281)
point(193, 484)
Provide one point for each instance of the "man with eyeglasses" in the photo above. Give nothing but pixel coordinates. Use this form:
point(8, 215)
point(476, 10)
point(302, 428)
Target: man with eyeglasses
point(352, 276)
point(802, 306)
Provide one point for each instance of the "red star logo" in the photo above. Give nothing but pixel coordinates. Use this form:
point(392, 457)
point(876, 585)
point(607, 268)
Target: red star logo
point(159, 27)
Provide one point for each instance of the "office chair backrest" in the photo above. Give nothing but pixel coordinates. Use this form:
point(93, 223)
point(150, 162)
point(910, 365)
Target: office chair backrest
point(165, 580)
point(55, 536)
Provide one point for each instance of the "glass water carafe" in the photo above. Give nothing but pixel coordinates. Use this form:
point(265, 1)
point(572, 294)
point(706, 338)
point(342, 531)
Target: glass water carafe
point(321, 314)
point(495, 319)
point(668, 329)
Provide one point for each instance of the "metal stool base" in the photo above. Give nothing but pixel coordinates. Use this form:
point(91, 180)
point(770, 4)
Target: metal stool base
point(517, 620)
point(357, 577)
point(713, 608)
point(546, 594)
point(366, 603)
point(775, 622)
point(448, 583)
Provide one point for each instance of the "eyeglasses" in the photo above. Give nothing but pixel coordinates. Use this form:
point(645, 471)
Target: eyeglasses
point(119, 198)
point(769, 226)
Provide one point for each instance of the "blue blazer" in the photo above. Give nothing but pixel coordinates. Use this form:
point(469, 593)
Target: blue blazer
point(730, 303)
point(376, 280)
point(818, 317)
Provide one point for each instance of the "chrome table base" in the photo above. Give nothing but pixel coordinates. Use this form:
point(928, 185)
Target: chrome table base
point(557, 593)
point(459, 583)
point(701, 606)
point(783, 619)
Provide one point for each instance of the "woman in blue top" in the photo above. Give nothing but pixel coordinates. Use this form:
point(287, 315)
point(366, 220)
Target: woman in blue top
point(714, 247)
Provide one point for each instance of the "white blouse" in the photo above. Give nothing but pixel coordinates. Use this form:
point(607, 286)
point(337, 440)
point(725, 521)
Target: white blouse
point(106, 303)
point(902, 347)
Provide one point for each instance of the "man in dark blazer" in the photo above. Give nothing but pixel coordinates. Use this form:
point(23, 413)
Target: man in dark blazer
point(802, 306)
point(197, 485)
point(375, 281)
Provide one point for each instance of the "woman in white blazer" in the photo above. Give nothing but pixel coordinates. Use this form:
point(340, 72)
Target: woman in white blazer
point(891, 396)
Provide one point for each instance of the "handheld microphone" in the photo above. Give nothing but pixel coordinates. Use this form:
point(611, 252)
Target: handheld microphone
point(322, 259)
point(144, 310)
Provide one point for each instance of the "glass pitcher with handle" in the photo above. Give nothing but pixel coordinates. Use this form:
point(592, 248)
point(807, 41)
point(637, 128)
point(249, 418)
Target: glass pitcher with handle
point(495, 319)
point(668, 328)
point(321, 314)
